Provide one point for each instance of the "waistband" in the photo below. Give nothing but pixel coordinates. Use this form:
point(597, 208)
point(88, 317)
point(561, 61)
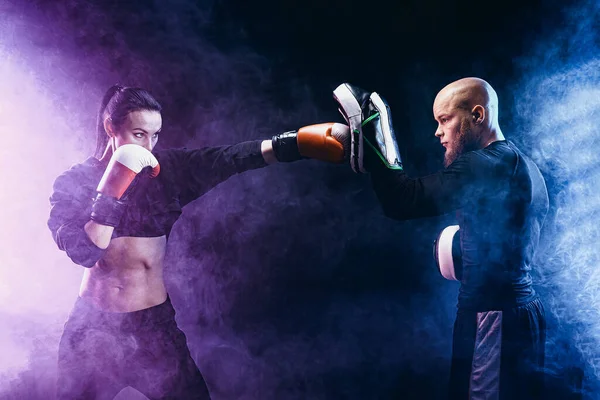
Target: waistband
point(483, 303)
point(84, 312)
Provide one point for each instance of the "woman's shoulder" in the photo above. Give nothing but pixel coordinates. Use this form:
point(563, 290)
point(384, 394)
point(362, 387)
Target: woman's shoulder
point(79, 173)
point(168, 154)
point(177, 157)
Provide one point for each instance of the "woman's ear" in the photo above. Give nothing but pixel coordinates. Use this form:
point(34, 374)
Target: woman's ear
point(109, 128)
point(111, 144)
point(109, 150)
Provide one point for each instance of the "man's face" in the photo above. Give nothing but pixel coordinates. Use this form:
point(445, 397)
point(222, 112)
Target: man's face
point(454, 129)
point(141, 128)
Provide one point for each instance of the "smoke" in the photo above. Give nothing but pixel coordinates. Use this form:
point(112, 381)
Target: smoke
point(37, 284)
point(288, 281)
point(558, 105)
point(55, 62)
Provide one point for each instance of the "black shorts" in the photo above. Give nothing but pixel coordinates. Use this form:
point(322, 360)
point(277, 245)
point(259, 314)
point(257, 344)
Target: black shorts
point(499, 355)
point(101, 353)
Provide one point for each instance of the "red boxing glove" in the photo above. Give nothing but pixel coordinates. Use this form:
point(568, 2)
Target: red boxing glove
point(327, 142)
point(126, 162)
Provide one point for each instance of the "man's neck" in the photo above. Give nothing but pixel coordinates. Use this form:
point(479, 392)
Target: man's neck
point(494, 135)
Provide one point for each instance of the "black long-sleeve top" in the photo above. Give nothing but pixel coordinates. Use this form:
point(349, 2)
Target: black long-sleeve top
point(501, 201)
point(154, 205)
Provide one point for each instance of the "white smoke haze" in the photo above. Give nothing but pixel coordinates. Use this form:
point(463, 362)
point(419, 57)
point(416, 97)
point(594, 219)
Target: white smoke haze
point(37, 287)
point(231, 257)
point(51, 87)
point(558, 105)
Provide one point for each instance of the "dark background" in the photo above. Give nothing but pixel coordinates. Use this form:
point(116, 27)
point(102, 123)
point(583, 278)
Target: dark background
point(288, 281)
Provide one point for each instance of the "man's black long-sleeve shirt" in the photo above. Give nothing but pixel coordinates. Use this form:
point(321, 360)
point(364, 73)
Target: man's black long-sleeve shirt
point(501, 201)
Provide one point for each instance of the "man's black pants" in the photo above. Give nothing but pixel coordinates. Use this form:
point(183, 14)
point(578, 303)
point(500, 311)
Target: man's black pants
point(499, 355)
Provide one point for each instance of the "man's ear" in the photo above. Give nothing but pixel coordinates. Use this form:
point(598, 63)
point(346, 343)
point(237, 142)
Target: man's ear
point(479, 114)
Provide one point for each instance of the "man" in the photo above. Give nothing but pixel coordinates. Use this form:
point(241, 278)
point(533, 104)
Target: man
point(500, 200)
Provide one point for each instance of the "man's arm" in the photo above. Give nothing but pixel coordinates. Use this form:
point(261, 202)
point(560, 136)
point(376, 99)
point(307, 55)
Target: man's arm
point(402, 197)
point(375, 150)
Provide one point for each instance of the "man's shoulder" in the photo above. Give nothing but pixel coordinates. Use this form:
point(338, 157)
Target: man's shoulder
point(501, 153)
point(496, 159)
point(476, 159)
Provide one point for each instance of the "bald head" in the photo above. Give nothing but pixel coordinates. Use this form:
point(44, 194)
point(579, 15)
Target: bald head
point(468, 93)
point(467, 114)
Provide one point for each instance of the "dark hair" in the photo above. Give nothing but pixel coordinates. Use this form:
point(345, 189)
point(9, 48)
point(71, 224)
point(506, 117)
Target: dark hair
point(118, 101)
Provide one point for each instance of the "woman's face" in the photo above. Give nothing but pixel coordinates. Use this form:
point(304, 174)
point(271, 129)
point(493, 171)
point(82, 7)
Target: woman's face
point(141, 128)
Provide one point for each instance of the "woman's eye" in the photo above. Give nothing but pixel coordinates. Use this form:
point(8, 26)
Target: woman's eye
point(138, 135)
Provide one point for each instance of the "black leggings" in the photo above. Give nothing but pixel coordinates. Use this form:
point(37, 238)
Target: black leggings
point(499, 355)
point(101, 353)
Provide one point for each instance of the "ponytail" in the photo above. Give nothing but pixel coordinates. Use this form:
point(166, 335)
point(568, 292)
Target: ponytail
point(101, 136)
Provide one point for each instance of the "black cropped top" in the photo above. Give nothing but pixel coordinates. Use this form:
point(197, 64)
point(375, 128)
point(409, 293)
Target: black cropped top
point(153, 205)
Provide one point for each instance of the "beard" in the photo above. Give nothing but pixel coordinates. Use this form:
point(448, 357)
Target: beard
point(464, 141)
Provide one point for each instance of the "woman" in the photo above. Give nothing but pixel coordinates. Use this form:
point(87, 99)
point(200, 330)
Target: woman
point(113, 214)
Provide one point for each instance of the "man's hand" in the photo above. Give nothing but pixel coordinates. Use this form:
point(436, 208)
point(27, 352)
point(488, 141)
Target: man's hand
point(372, 133)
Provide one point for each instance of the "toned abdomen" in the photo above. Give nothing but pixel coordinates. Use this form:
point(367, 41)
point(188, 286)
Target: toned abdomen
point(129, 277)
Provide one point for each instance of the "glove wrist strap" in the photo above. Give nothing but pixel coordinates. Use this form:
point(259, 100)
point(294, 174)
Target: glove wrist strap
point(107, 210)
point(285, 147)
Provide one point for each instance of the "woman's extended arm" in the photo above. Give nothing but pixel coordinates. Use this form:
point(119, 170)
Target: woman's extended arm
point(266, 148)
